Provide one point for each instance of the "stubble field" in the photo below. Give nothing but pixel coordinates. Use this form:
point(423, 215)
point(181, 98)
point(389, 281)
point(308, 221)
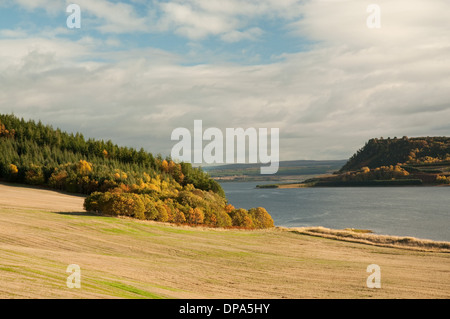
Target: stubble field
point(43, 232)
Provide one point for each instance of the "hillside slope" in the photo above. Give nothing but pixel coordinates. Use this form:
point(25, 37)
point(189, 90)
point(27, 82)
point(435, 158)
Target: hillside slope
point(118, 180)
point(394, 162)
point(127, 258)
point(385, 152)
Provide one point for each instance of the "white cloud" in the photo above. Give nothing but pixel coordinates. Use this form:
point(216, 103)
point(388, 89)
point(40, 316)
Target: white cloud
point(110, 17)
point(115, 17)
point(326, 103)
point(194, 24)
point(235, 36)
point(51, 6)
point(233, 20)
point(7, 33)
point(354, 83)
point(403, 22)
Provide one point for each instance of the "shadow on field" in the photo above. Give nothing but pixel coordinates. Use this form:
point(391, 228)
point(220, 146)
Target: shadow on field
point(39, 187)
point(91, 214)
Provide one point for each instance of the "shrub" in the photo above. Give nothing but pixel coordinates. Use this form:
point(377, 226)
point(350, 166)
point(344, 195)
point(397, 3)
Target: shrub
point(118, 202)
point(12, 173)
point(151, 212)
point(260, 218)
point(442, 179)
point(107, 203)
point(223, 219)
point(92, 203)
point(178, 217)
point(195, 216)
point(128, 204)
point(163, 214)
point(58, 179)
point(13, 170)
point(189, 198)
point(34, 175)
point(241, 218)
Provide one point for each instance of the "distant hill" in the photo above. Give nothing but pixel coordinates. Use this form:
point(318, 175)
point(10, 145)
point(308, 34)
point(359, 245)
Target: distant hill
point(297, 169)
point(384, 152)
point(394, 162)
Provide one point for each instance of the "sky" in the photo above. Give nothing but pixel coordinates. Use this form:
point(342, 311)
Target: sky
point(136, 70)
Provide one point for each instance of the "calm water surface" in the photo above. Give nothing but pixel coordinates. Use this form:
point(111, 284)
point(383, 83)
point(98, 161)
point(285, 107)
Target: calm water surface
point(422, 212)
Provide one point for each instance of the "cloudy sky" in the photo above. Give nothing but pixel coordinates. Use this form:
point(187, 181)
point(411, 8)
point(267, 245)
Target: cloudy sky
point(138, 69)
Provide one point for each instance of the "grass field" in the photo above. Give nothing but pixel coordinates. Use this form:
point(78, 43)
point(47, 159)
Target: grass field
point(42, 232)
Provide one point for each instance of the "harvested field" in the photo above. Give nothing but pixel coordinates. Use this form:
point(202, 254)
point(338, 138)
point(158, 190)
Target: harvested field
point(42, 232)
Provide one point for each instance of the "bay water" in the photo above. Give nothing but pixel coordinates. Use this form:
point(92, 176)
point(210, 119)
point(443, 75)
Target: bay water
point(421, 212)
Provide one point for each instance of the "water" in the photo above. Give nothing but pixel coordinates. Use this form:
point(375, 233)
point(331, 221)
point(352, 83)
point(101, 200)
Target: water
point(422, 212)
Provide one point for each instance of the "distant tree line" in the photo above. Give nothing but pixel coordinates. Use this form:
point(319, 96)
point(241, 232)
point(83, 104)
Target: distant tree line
point(379, 173)
point(379, 152)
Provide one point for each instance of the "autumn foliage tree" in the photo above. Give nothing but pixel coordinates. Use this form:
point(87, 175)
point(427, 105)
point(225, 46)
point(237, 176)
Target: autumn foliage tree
point(201, 208)
point(119, 181)
point(379, 173)
point(241, 218)
point(260, 218)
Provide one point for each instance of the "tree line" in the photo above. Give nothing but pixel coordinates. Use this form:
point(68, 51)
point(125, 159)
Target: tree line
point(379, 152)
point(117, 180)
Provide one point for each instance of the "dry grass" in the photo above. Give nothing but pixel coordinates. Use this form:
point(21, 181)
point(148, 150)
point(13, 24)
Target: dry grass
point(365, 237)
point(42, 232)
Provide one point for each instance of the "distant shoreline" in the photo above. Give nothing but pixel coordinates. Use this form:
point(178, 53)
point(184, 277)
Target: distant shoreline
point(308, 185)
point(365, 236)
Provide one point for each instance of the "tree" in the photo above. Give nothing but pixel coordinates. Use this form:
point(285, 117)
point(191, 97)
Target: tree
point(34, 175)
point(83, 167)
point(241, 218)
point(118, 180)
point(260, 218)
point(195, 216)
point(13, 170)
point(165, 166)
